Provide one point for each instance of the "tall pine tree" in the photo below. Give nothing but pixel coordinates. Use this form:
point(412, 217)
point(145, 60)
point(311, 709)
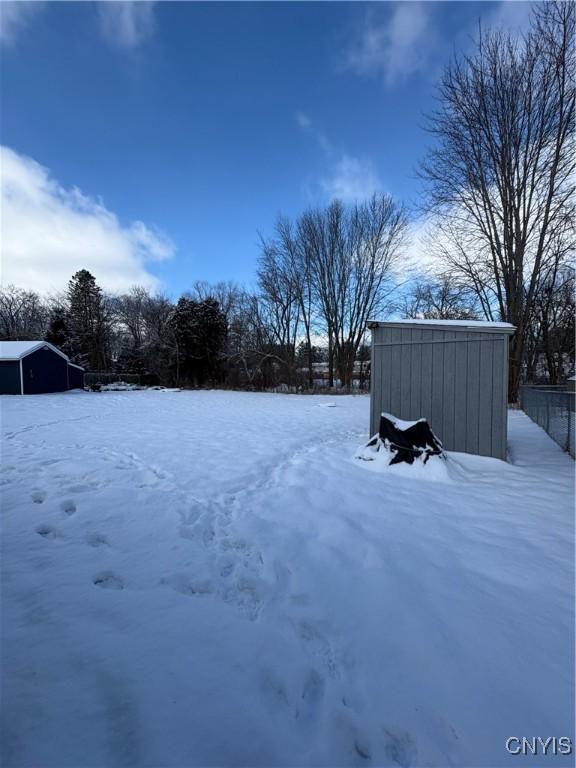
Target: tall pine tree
point(88, 323)
point(58, 333)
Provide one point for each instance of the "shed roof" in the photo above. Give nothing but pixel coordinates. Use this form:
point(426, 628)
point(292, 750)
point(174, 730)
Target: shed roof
point(16, 350)
point(470, 325)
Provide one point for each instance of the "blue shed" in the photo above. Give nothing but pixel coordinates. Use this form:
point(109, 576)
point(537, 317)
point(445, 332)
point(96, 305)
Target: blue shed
point(36, 367)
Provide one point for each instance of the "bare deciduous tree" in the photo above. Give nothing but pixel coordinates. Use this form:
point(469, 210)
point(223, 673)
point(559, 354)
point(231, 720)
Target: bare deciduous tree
point(279, 305)
point(23, 315)
point(352, 252)
point(227, 293)
point(501, 176)
point(550, 339)
point(439, 299)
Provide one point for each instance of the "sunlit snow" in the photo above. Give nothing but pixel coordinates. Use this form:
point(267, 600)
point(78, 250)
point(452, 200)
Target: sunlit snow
point(212, 579)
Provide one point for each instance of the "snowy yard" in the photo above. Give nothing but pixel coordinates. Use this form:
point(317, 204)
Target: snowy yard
point(210, 579)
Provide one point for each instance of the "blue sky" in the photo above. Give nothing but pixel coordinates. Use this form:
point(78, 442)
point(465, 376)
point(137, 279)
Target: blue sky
point(152, 141)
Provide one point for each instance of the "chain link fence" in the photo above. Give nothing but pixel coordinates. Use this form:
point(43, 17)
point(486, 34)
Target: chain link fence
point(552, 408)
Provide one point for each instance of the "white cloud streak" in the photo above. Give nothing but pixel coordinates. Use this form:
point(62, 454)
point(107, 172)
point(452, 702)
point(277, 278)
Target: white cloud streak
point(126, 24)
point(123, 24)
point(15, 18)
point(397, 47)
point(48, 232)
point(346, 177)
point(351, 179)
point(511, 15)
point(303, 120)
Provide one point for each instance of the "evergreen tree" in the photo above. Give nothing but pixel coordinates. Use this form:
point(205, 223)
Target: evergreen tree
point(211, 333)
point(199, 329)
point(130, 359)
point(58, 332)
point(88, 322)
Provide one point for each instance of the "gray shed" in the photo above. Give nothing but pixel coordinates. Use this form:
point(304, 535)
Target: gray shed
point(454, 373)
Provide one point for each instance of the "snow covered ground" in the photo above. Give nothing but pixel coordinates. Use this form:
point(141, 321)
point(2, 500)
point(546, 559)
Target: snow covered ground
point(211, 579)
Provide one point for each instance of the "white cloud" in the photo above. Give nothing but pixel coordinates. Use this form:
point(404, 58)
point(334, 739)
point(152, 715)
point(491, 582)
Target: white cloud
point(47, 233)
point(346, 177)
point(397, 47)
point(123, 23)
point(510, 15)
point(303, 120)
point(352, 179)
point(14, 17)
point(305, 123)
point(418, 259)
point(126, 24)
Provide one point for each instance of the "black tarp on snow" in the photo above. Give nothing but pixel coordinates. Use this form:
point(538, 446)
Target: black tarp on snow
point(407, 444)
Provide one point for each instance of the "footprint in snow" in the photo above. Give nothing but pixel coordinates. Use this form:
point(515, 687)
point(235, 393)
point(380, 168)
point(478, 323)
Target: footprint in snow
point(68, 506)
point(318, 645)
point(108, 580)
point(83, 487)
point(244, 595)
point(97, 540)
point(227, 569)
point(250, 557)
point(362, 749)
point(400, 748)
point(312, 695)
point(274, 691)
point(190, 586)
point(47, 532)
point(38, 497)
point(313, 689)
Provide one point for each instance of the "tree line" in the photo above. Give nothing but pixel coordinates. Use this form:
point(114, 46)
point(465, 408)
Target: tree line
point(499, 196)
point(320, 279)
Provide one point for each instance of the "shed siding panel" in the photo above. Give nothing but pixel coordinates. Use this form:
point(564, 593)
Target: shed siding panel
point(396, 371)
point(44, 371)
point(496, 415)
point(386, 366)
point(75, 378)
point(382, 355)
point(9, 377)
point(375, 382)
point(377, 379)
point(426, 377)
point(485, 396)
point(499, 398)
point(437, 384)
point(448, 388)
point(460, 395)
point(415, 374)
point(472, 395)
point(504, 399)
point(405, 374)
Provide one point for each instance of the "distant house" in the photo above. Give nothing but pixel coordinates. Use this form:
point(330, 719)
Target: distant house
point(36, 367)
